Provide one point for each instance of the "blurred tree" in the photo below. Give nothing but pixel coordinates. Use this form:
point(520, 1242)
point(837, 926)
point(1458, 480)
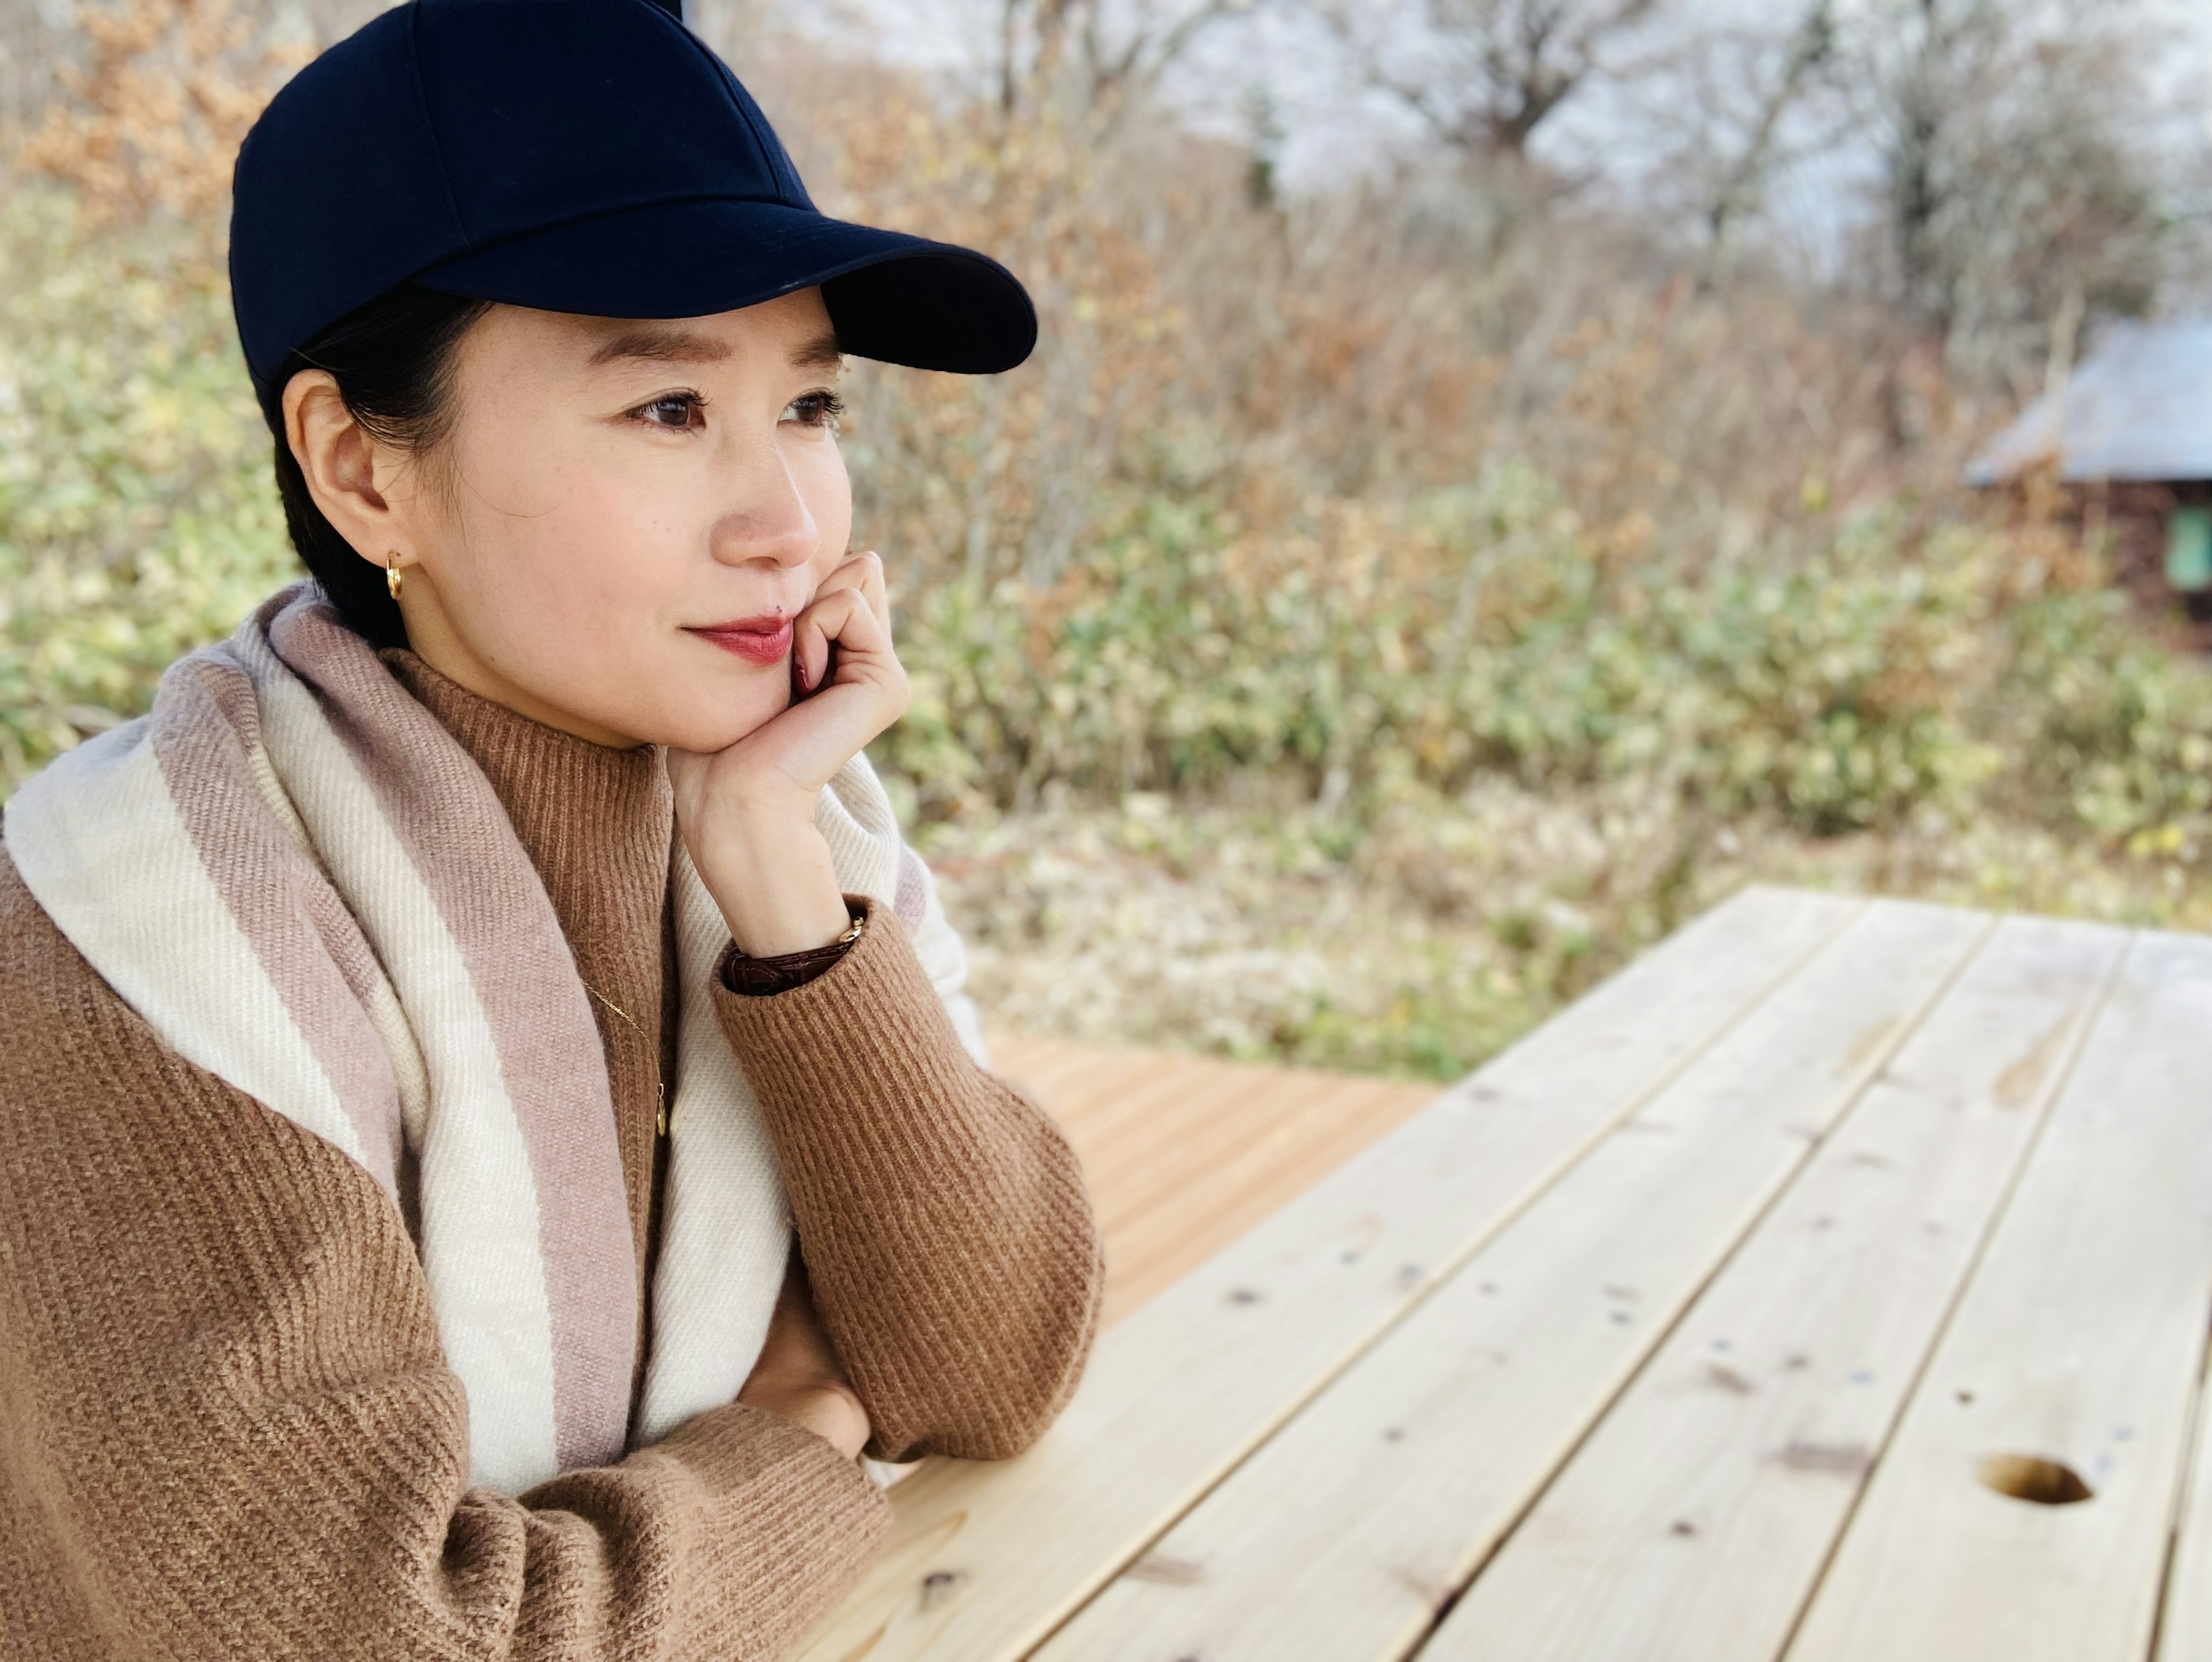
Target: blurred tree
point(333, 20)
point(2016, 187)
point(1102, 58)
point(1742, 179)
point(151, 117)
point(1485, 75)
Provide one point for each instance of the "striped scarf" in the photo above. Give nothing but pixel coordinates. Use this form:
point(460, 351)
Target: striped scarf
point(306, 886)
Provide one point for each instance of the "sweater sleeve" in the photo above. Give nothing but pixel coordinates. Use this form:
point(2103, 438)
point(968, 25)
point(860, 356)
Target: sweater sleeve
point(226, 1424)
point(941, 1215)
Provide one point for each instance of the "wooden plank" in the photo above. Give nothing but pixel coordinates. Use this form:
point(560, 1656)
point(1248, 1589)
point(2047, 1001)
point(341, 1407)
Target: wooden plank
point(1265, 1175)
point(2079, 1340)
point(1270, 1133)
point(1152, 1168)
point(1066, 1078)
point(1159, 1244)
point(1695, 1521)
point(1045, 1067)
point(1092, 1093)
point(1167, 1088)
point(988, 1558)
point(2184, 1629)
point(1243, 1138)
point(1345, 1535)
point(1288, 1120)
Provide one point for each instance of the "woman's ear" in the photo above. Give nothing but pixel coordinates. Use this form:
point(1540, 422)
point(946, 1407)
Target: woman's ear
point(338, 458)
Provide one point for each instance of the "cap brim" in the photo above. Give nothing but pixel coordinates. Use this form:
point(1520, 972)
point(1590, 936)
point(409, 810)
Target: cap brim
point(901, 299)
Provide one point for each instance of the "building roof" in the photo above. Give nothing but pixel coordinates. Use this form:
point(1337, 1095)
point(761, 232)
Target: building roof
point(2137, 408)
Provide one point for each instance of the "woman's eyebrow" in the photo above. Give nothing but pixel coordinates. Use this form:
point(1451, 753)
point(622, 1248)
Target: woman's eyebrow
point(660, 345)
point(819, 353)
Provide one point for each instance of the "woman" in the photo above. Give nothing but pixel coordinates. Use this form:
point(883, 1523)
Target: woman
point(486, 1136)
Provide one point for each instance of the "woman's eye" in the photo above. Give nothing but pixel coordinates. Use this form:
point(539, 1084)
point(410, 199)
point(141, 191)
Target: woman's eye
point(820, 408)
point(678, 410)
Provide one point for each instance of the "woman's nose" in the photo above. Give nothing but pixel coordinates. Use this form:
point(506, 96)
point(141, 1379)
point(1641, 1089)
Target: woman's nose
point(768, 519)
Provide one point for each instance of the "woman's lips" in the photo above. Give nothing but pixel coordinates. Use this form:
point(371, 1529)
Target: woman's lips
point(758, 640)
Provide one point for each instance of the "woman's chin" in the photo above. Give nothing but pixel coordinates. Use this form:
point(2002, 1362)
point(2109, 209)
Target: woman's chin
point(707, 731)
point(703, 712)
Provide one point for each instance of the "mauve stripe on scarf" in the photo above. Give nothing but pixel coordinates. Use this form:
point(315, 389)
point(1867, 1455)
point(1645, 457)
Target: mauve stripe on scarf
point(194, 734)
point(444, 812)
point(324, 907)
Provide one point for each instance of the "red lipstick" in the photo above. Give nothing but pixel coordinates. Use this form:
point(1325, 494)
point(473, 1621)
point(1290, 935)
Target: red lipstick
point(757, 640)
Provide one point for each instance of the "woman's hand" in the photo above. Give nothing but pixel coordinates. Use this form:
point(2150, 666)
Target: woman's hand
point(747, 812)
point(798, 1375)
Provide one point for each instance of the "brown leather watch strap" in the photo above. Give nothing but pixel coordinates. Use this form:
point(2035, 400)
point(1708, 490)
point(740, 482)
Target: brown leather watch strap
point(763, 978)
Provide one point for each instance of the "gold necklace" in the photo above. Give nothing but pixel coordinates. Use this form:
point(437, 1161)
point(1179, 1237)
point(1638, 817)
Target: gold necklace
point(659, 1088)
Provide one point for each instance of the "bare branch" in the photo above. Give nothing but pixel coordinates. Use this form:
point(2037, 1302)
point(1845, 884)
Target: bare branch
point(1491, 71)
point(1812, 45)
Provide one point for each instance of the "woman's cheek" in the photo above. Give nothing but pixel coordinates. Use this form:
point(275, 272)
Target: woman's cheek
point(819, 472)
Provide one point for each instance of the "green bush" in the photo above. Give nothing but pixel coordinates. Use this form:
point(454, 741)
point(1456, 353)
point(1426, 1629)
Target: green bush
point(2107, 728)
point(1864, 686)
point(137, 519)
point(1360, 654)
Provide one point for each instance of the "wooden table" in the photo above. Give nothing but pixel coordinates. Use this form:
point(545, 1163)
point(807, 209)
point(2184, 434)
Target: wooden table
point(1833, 1283)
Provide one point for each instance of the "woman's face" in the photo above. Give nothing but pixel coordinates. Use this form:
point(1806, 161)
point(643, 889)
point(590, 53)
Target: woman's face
point(624, 517)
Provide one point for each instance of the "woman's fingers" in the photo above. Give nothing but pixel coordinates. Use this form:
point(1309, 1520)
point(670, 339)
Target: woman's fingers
point(860, 575)
point(872, 586)
point(792, 756)
point(864, 572)
point(846, 616)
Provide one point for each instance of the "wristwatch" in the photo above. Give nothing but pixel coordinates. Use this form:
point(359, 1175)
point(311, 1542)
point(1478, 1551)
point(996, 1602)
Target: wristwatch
point(762, 977)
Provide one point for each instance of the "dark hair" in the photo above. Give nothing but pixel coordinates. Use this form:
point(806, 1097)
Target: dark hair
point(393, 360)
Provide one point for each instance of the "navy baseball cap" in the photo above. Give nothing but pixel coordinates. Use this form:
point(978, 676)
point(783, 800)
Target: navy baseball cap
point(575, 155)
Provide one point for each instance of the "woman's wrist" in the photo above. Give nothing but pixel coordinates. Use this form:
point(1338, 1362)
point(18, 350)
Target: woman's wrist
point(772, 876)
point(832, 1412)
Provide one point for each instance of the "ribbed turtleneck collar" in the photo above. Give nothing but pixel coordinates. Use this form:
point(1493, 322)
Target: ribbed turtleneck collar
point(569, 799)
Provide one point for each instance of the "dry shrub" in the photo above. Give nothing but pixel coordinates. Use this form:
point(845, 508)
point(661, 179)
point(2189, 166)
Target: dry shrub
point(1393, 338)
point(1365, 620)
point(150, 120)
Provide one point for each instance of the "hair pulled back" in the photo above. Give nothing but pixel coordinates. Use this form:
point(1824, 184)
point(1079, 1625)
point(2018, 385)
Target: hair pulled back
point(392, 360)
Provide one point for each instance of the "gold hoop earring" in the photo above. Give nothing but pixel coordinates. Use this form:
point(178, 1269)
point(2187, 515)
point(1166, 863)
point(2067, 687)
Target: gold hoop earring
point(392, 578)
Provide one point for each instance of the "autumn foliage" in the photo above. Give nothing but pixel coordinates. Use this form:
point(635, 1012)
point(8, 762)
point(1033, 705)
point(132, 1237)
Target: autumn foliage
point(1462, 566)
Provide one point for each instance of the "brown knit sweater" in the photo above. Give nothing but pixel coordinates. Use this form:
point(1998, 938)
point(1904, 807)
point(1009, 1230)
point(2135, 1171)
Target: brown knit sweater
point(227, 1430)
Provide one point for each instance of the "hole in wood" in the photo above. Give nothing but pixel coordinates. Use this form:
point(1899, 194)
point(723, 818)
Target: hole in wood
point(2030, 1477)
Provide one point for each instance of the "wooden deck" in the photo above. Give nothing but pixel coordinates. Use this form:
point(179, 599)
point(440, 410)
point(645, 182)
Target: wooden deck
point(1185, 1153)
point(1834, 1283)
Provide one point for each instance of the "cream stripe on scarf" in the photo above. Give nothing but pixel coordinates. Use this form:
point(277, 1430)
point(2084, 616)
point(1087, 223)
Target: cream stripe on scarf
point(711, 1154)
point(112, 855)
point(301, 880)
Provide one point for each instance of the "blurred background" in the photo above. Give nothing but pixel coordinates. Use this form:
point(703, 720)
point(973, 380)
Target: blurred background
point(1499, 476)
